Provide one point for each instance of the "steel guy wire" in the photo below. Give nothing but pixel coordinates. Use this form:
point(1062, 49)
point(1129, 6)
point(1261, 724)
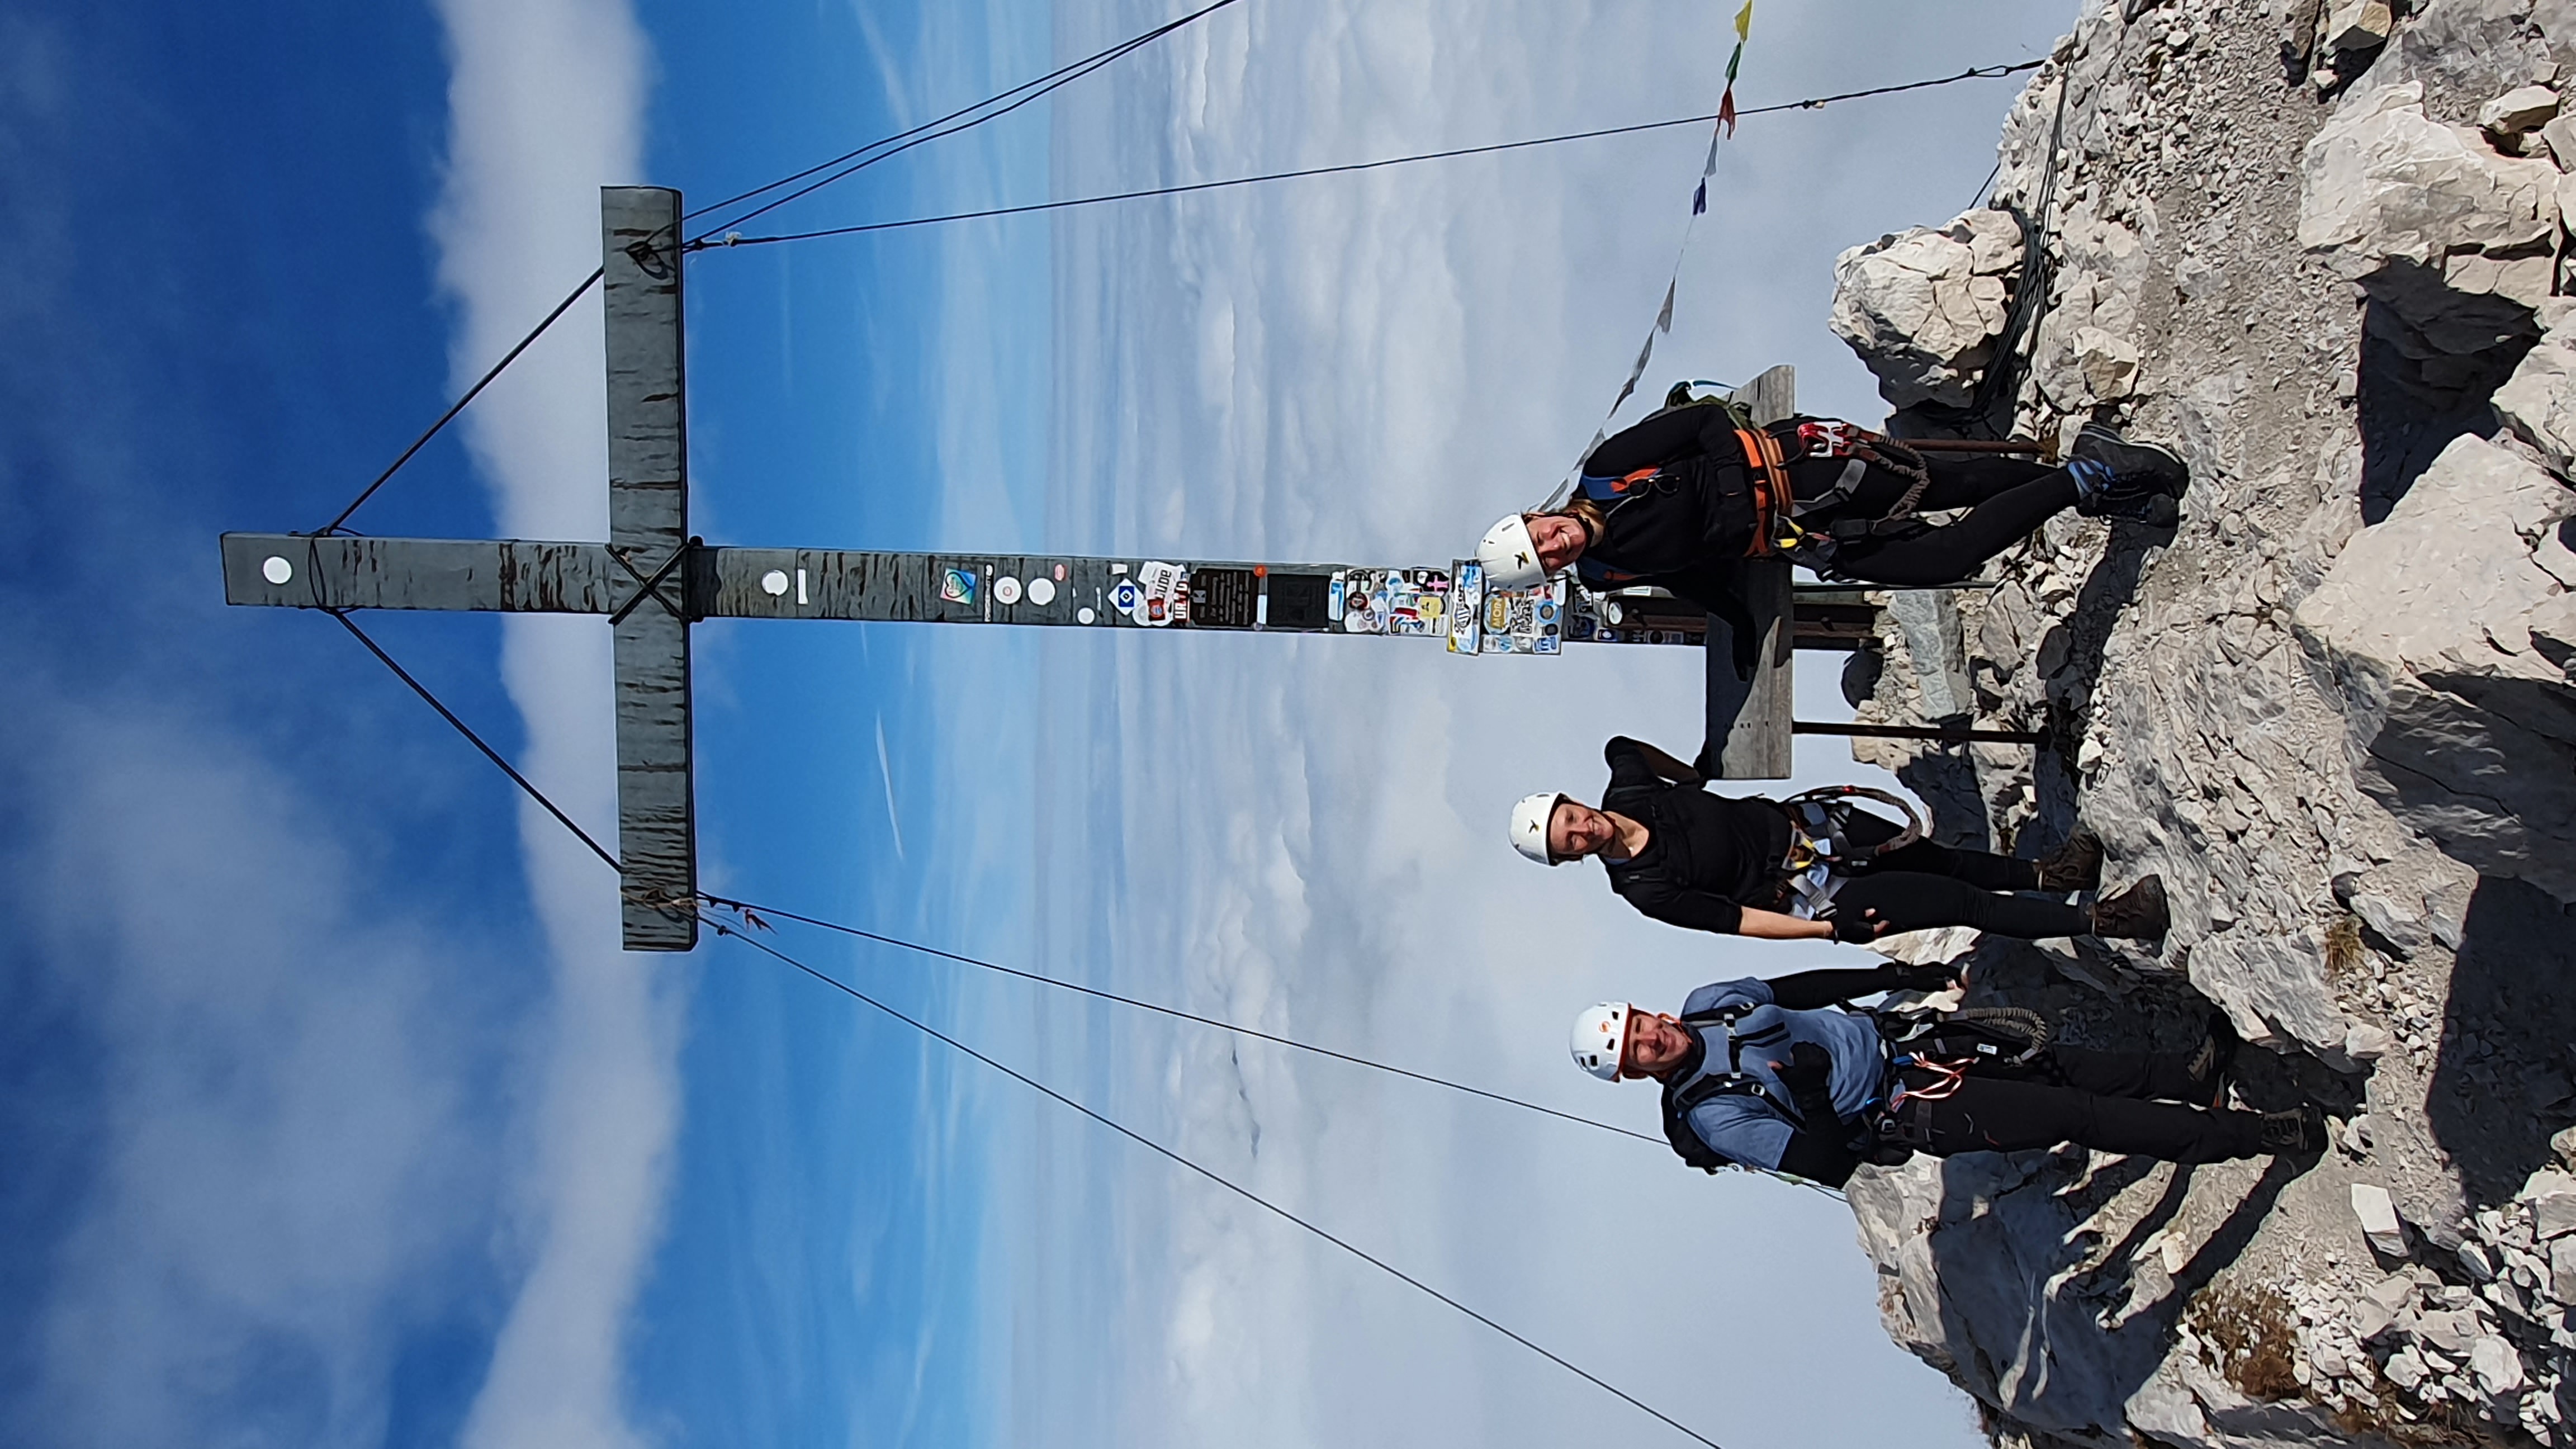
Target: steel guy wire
point(1185, 188)
point(1346, 1245)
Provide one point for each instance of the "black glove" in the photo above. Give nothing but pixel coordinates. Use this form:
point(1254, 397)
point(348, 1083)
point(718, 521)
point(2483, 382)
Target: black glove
point(1856, 928)
point(1809, 1077)
point(1937, 977)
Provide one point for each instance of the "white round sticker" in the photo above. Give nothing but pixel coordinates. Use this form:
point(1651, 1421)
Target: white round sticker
point(773, 583)
point(1006, 590)
point(1084, 615)
point(1041, 591)
point(277, 570)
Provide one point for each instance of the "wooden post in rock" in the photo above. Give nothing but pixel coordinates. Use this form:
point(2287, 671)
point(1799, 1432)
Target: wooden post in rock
point(1749, 715)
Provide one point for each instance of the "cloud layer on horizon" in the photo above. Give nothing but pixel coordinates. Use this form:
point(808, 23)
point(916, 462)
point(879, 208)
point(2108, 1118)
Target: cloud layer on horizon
point(1302, 835)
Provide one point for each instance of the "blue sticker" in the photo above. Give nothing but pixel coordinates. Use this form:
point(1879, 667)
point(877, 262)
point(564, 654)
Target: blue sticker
point(1125, 596)
point(958, 587)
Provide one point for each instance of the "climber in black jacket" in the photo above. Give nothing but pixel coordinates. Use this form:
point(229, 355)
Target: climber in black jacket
point(1809, 868)
point(1682, 498)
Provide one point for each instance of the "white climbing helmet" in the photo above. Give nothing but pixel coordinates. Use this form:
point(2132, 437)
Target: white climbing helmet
point(1529, 826)
point(1600, 1035)
point(1510, 555)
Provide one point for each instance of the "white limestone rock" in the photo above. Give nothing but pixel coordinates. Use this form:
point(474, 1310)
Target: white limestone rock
point(1923, 308)
point(2274, 989)
point(2562, 1270)
point(2461, 723)
point(2376, 1211)
point(2551, 1196)
point(2524, 108)
point(2382, 183)
point(2539, 401)
point(2496, 1367)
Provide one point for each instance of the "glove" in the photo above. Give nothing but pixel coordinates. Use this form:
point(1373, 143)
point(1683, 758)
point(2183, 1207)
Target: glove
point(1856, 928)
point(1938, 977)
point(1808, 1062)
point(1808, 1075)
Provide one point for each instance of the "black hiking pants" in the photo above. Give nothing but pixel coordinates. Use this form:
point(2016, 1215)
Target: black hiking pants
point(2007, 499)
point(2108, 1101)
point(1926, 885)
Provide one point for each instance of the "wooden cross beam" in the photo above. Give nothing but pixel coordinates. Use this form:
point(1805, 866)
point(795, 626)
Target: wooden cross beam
point(652, 580)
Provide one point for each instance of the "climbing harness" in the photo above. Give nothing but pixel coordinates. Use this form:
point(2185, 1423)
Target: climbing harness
point(1948, 1045)
point(1822, 854)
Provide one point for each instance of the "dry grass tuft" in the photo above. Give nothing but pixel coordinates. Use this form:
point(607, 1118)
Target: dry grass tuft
point(2249, 1330)
point(2344, 953)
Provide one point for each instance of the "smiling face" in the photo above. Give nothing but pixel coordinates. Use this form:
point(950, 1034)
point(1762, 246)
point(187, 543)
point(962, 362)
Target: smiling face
point(1560, 539)
point(1656, 1044)
point(1575, 830)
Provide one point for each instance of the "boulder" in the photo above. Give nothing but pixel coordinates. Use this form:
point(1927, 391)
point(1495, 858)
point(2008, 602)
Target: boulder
point(2437, 631)
point(2539, 401)
point(2562, 1270)
point(1923, 307)
point(2274, 989)
point(2380, 182)
point(2377, 1213)
point(2378, 1309)
point(2496, 1367)
point(2452, 238)
point(2551, 1196)
point(2524, 108)
point(2355, 25)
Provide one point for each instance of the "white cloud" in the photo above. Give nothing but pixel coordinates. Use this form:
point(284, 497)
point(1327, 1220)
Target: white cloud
point(546, 106)
point(287, 1155)
point(1304, 834)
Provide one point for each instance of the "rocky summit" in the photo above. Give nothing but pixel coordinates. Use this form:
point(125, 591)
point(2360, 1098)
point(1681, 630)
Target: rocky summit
point(2322, 250)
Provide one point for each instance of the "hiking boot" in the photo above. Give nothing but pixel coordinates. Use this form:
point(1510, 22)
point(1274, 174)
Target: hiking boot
point(2116, 478)
point(2135, 914)
point(2299, 1132)
point(2074, 866)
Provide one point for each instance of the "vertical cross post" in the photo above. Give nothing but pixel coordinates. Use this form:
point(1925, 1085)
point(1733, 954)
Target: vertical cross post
point(648, 532)
point(1749, 714)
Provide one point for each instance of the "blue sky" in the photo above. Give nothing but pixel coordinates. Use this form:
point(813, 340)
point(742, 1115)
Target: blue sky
point(334, 1115)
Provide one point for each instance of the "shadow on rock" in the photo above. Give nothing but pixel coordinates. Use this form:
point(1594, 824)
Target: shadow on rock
point(2417, 392)
point(2071, 659)
point(2500, 1083)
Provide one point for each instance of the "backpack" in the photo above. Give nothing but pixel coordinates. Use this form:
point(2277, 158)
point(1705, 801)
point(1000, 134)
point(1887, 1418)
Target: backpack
point(1681, 1097)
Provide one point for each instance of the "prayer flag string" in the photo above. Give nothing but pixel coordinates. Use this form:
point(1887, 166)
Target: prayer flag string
point(1663, 327)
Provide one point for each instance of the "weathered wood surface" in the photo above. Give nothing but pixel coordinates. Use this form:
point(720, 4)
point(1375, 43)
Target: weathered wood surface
point(342, 572)
point(1749, 714)
point(648, 525)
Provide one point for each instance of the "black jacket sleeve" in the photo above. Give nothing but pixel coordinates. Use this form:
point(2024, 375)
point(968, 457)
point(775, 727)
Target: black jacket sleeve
point(1714, 590)
point(1822, 1148)
point(1819, 1160)
point(1689, 909)
point(1634, 762)
point(1808, 990)
point(1657, 441)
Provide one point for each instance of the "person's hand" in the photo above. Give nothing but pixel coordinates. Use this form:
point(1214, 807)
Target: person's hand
point(1858, 928)
point(1809, 1066)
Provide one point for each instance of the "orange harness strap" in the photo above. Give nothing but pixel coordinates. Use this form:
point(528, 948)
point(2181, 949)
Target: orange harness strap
point(1765, 465)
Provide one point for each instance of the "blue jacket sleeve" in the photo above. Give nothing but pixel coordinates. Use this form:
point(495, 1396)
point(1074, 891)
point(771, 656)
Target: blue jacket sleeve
point(1719, 995)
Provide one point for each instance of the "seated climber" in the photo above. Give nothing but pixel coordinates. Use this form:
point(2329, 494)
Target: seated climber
point(1776, 1075)
point(1681, 498)
point(1811, 868)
